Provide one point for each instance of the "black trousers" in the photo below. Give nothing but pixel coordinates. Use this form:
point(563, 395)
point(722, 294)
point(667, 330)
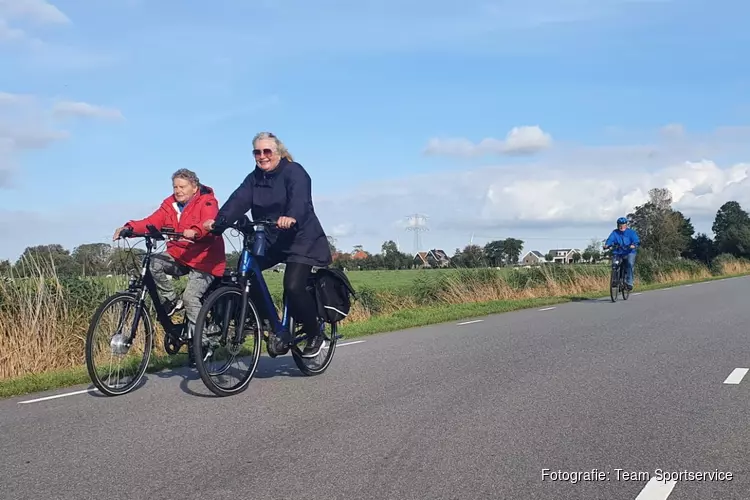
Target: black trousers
point(302, 305)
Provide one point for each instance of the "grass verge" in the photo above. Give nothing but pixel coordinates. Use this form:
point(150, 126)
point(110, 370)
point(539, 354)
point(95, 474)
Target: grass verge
point(388, 322)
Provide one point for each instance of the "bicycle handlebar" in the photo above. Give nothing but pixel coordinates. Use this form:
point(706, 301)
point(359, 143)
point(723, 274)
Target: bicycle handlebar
point(244, 225)
point(152, 233)
point(617, 245)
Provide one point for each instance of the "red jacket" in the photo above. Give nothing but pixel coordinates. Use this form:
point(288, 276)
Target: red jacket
point(206, 252)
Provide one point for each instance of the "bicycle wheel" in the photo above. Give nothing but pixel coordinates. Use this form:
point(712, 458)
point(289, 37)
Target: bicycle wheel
point(321, 362)
point(213, 340)
point(117, 330)
point(623, 285)
point(614, 286)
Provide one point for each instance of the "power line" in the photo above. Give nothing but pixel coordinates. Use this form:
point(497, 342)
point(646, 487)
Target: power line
point(418, 225)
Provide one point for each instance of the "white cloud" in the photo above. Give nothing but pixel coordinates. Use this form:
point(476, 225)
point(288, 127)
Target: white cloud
point(83, 109)
point(20, 20)
point(673, 130)
point(391, 26)
point(524, 140)
point(565, 200)
point(36, 11)
point(570, 197)
point(11, 35)
point(26, 124)
point(341, 230)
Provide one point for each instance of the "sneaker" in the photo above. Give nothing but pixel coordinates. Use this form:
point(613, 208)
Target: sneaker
point(313, 347)
point(172, 306)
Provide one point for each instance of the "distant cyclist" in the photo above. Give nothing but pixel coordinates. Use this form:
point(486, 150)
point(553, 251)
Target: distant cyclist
point(628, 242)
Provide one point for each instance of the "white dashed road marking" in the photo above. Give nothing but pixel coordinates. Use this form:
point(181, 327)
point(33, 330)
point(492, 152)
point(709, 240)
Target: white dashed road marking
point(350, 343)
point(736, 376)
point(471, 322)
point(547, 308)
point(74, 393)
point(47, 398)
point(656, 490)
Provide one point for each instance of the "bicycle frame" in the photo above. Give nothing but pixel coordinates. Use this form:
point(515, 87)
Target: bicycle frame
point(250, 275)
point(145, 283)
point(619, 265)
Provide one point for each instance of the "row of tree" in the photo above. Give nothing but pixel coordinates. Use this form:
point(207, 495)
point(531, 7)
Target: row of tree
point(97, 259)
point(664, 232)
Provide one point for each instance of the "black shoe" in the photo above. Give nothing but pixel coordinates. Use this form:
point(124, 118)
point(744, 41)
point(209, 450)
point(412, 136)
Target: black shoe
point(172, 306)
point(630, 287)
point(313, 347)
point(275, 346)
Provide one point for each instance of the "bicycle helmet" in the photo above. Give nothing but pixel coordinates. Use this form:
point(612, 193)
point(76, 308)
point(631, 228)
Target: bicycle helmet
point(622, 220)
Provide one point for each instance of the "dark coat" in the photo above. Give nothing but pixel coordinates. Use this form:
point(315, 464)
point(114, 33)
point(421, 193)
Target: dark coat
point(287, 191)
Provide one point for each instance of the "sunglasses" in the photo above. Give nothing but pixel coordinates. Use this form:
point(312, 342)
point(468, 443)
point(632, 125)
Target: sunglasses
point(266, 152)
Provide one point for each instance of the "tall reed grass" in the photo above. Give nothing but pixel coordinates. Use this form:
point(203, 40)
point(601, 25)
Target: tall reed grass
point(44, 318)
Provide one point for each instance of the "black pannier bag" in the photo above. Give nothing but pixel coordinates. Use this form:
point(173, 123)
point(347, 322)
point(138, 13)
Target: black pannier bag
point(334, 294)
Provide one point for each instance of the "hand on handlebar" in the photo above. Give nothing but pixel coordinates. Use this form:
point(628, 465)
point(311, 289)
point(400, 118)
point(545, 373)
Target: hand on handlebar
point(282, 222)
point(119, 231)
point(286, 222)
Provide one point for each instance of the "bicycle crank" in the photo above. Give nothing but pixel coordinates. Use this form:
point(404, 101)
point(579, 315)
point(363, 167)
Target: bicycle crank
point(171, 345)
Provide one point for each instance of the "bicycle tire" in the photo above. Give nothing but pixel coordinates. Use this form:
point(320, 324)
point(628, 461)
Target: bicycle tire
point(614, 287)
point(305, 368)
point(90, 364)
point(624, 285)
point(200, 321)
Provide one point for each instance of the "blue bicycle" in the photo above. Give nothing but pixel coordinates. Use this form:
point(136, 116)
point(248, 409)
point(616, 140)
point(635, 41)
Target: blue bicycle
point(244, 304)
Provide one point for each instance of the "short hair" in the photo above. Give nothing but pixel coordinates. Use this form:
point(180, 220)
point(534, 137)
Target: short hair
point(186, 174)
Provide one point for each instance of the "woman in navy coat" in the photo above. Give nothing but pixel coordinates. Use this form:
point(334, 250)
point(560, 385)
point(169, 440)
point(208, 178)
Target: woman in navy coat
point(279, 188)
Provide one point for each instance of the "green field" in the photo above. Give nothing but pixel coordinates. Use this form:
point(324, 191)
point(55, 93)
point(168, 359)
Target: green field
point(379, 281)
point(55, 312)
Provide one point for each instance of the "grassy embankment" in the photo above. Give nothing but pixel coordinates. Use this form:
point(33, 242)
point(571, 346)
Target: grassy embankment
point(43, 319)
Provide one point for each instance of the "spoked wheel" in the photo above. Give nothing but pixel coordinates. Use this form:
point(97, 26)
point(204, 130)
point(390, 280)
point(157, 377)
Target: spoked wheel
point(114, 367)
point(614, 285)
point(625, 289)
point(321, 362)
point(226, 368)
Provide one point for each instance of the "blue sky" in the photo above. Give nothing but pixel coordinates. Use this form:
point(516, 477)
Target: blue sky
point(358, 92)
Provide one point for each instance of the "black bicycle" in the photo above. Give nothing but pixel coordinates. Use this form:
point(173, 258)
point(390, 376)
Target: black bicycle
point(245, 304)
point(119, 340)
point(617, 281)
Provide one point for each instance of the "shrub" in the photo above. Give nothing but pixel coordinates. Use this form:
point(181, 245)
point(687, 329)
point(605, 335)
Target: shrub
point(43, 319)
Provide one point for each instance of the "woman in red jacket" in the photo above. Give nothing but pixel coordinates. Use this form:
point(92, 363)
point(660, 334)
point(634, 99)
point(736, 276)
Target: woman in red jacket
point(200, 254)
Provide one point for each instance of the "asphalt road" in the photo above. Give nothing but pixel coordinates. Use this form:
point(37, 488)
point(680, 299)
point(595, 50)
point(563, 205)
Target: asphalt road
point(452, 411)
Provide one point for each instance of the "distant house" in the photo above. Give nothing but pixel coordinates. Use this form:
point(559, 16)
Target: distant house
point(358, 254)
point(564, 255)
point(534, 257)
point(432, 258)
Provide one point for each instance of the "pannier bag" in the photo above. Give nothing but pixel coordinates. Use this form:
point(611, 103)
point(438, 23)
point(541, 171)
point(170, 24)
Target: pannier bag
point(334, 294)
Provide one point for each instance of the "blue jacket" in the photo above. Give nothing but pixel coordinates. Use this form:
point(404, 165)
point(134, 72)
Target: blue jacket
point(287, 191)
point(624, 239)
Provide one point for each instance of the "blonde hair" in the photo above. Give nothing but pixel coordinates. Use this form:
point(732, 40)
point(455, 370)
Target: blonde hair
point(283, 151)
